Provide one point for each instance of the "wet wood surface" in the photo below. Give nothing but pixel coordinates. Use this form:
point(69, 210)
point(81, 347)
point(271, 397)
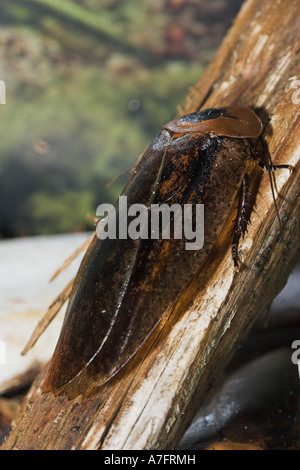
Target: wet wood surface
point(150, 404)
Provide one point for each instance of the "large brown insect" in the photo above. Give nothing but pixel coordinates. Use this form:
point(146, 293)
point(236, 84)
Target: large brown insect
point(124, 286)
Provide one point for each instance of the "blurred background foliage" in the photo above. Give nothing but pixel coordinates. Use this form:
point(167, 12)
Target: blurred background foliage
point(89, 84)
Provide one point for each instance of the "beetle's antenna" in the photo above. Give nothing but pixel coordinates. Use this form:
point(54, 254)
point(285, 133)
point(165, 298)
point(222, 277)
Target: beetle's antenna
point(115, 179)
point(269, 169)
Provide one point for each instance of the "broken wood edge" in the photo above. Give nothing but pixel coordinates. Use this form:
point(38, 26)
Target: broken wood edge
point(48, 316)
point(73, 256)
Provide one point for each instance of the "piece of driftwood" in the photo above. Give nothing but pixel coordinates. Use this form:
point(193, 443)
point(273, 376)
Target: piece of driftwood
point(150, 404)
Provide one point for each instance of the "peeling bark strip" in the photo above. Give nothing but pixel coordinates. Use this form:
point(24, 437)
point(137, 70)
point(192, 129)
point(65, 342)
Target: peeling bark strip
point(151, 405)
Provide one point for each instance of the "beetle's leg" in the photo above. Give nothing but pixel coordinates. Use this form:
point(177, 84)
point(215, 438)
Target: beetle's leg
point(242, 220)
point(266, 164)
point(263, 158)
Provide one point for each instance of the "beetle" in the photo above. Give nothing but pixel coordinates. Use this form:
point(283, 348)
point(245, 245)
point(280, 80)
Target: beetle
point(124, 286)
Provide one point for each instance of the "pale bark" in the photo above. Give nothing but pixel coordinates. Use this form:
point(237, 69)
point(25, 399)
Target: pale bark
point(151, 405)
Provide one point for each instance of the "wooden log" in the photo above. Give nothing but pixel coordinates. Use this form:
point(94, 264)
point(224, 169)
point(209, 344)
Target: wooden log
point(150, 404)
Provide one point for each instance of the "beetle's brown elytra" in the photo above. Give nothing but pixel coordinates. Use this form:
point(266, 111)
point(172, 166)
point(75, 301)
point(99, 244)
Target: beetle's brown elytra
point(124, 287)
